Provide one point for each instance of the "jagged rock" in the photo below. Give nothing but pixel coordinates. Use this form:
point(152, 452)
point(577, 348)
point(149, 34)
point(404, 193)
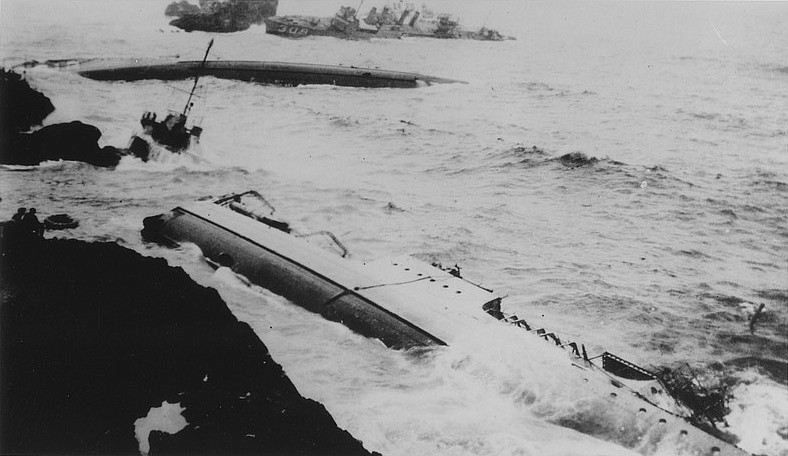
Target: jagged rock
point(73, 141)
point(94, 335)
point(21, 108)
point(227, 16)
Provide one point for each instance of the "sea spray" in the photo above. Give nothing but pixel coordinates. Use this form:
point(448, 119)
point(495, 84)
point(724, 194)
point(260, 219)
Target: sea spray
point(622, 81)
point(493, 387)
point(759, 413)
point(166, 418)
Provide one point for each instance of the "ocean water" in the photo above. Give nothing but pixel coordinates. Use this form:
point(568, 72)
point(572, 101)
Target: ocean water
point(655, 243)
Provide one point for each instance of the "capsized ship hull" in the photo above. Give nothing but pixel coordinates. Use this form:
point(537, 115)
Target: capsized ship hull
point(279, 73)
point(406, 303)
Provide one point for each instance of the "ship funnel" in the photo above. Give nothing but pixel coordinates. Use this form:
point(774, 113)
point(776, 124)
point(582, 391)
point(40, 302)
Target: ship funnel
point(403, 17)
point(414, 18)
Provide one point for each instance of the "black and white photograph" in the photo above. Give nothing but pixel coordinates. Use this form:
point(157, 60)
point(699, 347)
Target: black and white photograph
point(394, 228)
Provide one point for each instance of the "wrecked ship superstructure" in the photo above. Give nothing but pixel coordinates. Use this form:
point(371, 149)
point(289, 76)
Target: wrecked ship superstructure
point(220, 16)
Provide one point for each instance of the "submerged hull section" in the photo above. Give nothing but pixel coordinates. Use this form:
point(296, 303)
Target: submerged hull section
point(407, 303)
point(280, 73)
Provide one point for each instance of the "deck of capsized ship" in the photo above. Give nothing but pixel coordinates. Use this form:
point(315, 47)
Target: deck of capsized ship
point(390, 285)
point(411, 304)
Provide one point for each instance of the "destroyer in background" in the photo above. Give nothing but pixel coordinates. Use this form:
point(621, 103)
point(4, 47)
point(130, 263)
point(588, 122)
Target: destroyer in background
point(221, 16)
point(391, 22)
point(344, 24)
point(407, 21)
point(405, 303)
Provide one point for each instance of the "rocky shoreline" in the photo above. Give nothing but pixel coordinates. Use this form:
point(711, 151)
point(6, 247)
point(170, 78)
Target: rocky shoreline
point(22, 108)
point(94, 336)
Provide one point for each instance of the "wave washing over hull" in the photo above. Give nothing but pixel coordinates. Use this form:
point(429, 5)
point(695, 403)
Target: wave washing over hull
point(406, 303)
point(653, 247)
point(444, 402)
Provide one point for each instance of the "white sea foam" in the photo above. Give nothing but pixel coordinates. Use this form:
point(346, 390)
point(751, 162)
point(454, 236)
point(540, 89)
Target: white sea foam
point(652, 274)
point(759, 414)
point(447, 402)
point(166, 418)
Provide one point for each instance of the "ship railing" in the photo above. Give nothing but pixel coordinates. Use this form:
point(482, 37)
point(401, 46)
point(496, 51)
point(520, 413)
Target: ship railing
point(240, 203)
point(342, 249)
point(702, 403)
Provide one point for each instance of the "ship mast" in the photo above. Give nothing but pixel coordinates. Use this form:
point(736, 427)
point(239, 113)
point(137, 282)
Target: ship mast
point(197, 78)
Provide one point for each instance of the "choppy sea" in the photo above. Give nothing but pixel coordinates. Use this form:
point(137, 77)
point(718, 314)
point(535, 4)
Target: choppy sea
point(656, 242)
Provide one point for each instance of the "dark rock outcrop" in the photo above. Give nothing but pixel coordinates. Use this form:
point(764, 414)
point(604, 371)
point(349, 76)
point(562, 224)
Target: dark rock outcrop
point(577, 159)
point(226, 16)
point(93, 335)
point(22, 107)
point(73, 141)
point(178, 9)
